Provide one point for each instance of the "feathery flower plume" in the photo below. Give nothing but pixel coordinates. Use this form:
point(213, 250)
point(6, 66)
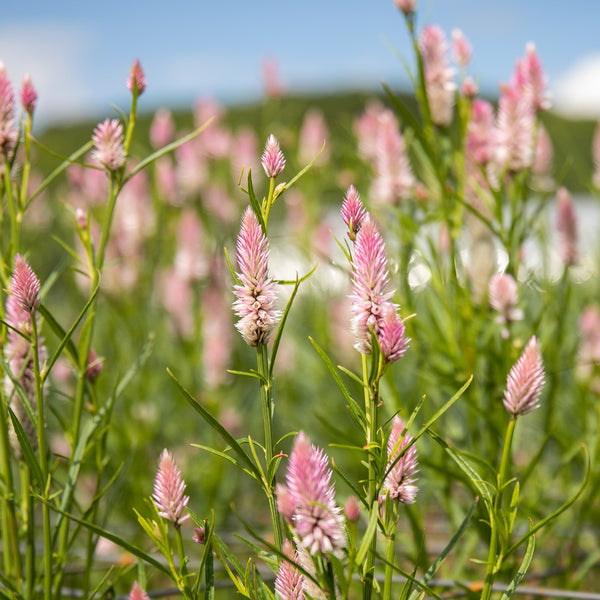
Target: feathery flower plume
point(399, 482)
point(289, 581)
point(311, 137)
point(406, 6)
point(257, 295)
point(542, 164)
point(461, 48)
point(391, 335)
point(317, 520)
point(439, 83)
point(525, 381)
point(503, 296)
point(480, 131)
point(28, 95)
point(394, 179)
point(529, 77)
point(8, 127)
point(108, 143)
point(162, 128)
point(469, 88)
point(136, 79)
point(169, 488)
point(25, 286)
point(137, 593)
point(566, 224)
point(272, 160)
point(353, 212)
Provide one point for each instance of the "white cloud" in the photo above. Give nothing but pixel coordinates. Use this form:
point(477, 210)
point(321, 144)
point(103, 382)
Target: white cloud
point(54, 56)
point(577, 92)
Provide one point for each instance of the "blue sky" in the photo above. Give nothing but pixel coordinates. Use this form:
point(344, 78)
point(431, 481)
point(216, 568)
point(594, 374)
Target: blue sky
point(79, 53)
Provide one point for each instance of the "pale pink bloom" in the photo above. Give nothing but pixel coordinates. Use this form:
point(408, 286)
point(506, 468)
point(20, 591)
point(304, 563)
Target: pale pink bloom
point(515, 130)
point(28, 95)
point(589, 347)
point(200, 535)
point(177, 298)
point(162, 128)
point(366, 127)
point(596, 156)
point(190, 258)
point(137, 593)
point(317, 520)
point(165, 175)
point(289, 581)
point(25, 286)
point(286, 502)
point(566, 225)
point(525, 381)
point(469, 88)
point(542, 165)
point(87, 186)
point(205, 109)
point(136, 80)
point(218, 202)
point(169, 488)
point(313, 133)
point(191, 170)
point(353, 212)
point(370, 300)
point(244, 152)
point(8, 125)
point(391, 335)
point(480, 131)
point(272, 82)
point(400, 479)
point(439, 83)
point(406, 6)
point(461, 48)
point(108, 143)
point(95, 366)
point(503, 296)
point(272, 160)
point(257, 295)
point(529, 77)
point(352, 509)
point(394, 180)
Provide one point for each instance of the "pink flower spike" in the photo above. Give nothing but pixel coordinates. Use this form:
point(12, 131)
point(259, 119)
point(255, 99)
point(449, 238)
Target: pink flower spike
point(108, 143)
point(136, 80)
point(399, 482)
point(317, 519)
point(24, 285)
point(525, 381)
point(169, 488)
point(406, 6)
point(353, 212)
point(503, 296)
point(28, 95)
point(162, 128)
point(273, 160)
point(461, 48)
point(257, 295)
point(391, 336)
point(469, 88)
point(289, 582)
point(567, 227)
point(137, 593)
point(352, 509)
point(8, 126)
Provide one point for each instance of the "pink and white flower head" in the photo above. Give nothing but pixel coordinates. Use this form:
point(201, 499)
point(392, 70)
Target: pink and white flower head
point(317, 520)
point(504, 296)
point(353, 212)
point(406, 6)
point(529, 77)
point(566, 225)
point(313, 134)
point(525, 381)
point(480, 132)
point(28, 95)
point(400, 480)
point(289, 581)
point(273, 84)
point(162, 128)
point(25, 286)
point(108, 144)
point(8, 126)
point(439, 83)
point(391, 337)
point(136, 80)
point(272, 160)
point(469, 87)
point(137, 593)
point(169, 488)
point(461, 48)
point(395, 180)
point(542, 164)
point(257, 295)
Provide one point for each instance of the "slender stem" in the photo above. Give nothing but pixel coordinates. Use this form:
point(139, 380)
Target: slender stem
point(14, 221)
point(269, 202)
point(266, 397)
point(182, 577)
point(26, 164)
point(387, 584)
point(30, 529)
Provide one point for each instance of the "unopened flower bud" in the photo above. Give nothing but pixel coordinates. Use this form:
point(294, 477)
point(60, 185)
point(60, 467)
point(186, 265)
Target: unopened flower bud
point(136, 80)
point(273, 160)
point(28, 95)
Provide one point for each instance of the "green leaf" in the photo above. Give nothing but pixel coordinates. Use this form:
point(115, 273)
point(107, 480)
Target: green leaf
point(234, 277)
point(514, 584)
point(293, 180)
point(370, 532)
point(60, 333)
point(255, 204)
point(227, 437)
point(228, 457)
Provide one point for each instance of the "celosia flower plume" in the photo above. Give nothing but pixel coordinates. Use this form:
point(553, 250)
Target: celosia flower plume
point(317, 520)
point(503, 296)
point(353, 212)
point(169, 488)
point(137, 593)
point(28, 95)
point(566, 223)
point(25, 286)
point(273, 160)
point(400, 480)
point(8, 126)
point(108, 144)
point(525, 381)
point(289, 581)
point(257, 295)
point(136, 79)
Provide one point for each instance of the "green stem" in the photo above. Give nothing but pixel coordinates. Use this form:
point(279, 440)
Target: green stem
point(269, 202)
point(387, 584)
point(30, 529)
point(266, 397)
point(13, 211)
point(182, 576)
point(26, 164)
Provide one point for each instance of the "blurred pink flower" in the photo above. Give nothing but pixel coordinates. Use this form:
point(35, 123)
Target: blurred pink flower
point(530, 79)
point(352, 509)
point(137, 593)
point(28, 95)
point(108, 143)
point(317, 519)
point(190, 262)
point(272, 160)
point(406, 6)
point(504, 296)
point(257, 295)
point(461, 48)
point(353, 212)
point(525, 381)
point(542, 165)
point(469, 88)
point(273, 84)
point(8, 125)
point(95, 366)
point(289, 581)
point(176, 296)
point(136, 79)
point(165, 175)
point(313, 133)
point(480, 131)
point(169, 488)
point(366, 127)
point(439, 83)
point(162, 128)
point(566, 225)
point(400, 479)
point(244, 150)
point(588, 356)
point(394, 179)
